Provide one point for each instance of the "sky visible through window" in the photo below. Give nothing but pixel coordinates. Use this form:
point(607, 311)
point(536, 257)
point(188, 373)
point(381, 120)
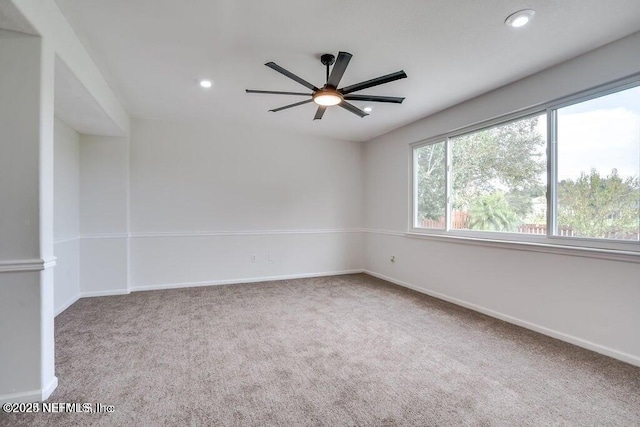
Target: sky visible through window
point(601, 134)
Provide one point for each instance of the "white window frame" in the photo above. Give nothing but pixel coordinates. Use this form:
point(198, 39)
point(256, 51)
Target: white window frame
point(600, 248)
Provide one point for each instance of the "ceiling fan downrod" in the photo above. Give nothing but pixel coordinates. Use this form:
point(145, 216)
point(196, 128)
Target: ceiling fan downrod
point(327, 59)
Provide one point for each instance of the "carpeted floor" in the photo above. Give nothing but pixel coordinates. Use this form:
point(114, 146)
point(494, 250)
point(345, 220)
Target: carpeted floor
point(345, 350)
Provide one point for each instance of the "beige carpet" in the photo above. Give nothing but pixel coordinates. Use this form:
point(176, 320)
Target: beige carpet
point(335, 351)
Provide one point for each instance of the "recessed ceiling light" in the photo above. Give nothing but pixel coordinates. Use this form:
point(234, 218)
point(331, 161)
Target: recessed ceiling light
point(367, 109)
point(206, 83)
point(520, 18)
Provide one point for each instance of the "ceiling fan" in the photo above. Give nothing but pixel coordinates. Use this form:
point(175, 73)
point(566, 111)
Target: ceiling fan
point(329, 94)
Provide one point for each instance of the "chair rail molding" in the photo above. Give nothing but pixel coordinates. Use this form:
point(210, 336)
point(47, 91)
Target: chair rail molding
point(23, 265)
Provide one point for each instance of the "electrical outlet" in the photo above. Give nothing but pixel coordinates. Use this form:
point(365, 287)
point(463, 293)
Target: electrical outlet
point(253, 258)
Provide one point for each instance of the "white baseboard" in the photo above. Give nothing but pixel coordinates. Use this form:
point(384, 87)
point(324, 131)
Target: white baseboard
point(104, 293)
point(204, 283)
point(31, 396)
point(67, 304)
point(625, 357)
point(53, 384)
point(244, 280)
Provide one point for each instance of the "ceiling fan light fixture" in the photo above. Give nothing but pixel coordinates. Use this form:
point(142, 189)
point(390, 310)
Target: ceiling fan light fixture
point(327, 97)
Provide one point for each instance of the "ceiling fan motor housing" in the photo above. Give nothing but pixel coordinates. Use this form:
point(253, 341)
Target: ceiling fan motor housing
point(327, 59)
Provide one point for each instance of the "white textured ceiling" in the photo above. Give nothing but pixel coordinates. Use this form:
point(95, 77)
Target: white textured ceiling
point(153, 51)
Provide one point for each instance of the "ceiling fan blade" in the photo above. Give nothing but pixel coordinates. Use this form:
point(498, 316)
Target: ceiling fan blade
point(352, 108)
point(275, 110)
point(373, 82)
point(338, 68)
point(289, 74)
point(374, 98)
point(272, 92)
point(320, 112)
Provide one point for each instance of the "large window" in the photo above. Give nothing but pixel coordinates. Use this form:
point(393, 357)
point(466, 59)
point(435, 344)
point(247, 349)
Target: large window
point(598, 167)
point(495, 178)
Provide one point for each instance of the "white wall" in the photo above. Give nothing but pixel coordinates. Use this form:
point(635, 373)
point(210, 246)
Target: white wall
point(590, 302)
point(205, 197)
point(66, 226)
point(104, 215)
point(18, 122)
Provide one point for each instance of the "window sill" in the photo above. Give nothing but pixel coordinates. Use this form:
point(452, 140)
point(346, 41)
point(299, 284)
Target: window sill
point(551, 248)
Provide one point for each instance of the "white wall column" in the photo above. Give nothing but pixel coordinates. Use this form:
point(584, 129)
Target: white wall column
point(26, 218)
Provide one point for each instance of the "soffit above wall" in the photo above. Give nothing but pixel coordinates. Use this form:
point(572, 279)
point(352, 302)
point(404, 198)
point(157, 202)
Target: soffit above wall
point(11, 19)
point(75, 106)
point(73, 103)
